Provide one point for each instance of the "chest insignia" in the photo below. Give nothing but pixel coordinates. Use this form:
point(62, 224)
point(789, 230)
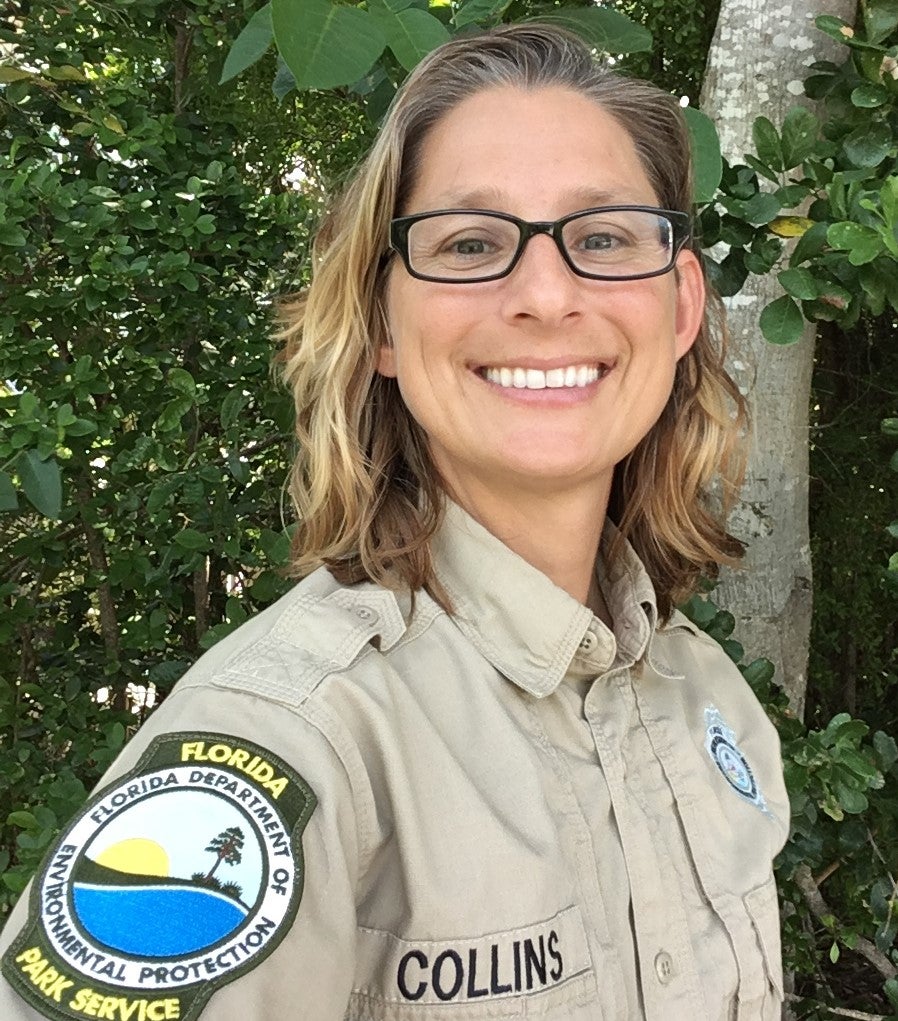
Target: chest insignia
point(720, 742)
point(172, 881)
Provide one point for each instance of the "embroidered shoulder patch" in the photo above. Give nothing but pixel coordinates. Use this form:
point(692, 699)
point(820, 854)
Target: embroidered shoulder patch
point(172, 881)
point(720, 742)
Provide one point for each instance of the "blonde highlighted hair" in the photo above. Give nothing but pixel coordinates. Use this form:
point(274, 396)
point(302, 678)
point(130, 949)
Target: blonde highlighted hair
point(366, 491)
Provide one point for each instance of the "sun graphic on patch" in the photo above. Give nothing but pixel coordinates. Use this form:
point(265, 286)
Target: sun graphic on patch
point(172, 881)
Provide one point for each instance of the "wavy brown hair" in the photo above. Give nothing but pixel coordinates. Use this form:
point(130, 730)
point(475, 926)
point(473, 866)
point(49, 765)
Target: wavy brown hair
point(367, 493)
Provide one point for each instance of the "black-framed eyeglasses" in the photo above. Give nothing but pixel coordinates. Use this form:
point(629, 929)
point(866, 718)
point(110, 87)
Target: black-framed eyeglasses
point(469, 246)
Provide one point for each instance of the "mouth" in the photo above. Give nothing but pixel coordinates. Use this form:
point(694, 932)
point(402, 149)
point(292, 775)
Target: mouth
point(569, 377)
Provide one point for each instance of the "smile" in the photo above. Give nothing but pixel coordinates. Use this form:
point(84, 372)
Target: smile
point(552, 379)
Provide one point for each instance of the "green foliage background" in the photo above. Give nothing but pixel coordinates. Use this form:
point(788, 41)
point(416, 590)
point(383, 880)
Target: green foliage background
point(160, 176)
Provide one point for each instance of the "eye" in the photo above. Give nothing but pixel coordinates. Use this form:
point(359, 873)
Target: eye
point(601, 242)
point(468, 246)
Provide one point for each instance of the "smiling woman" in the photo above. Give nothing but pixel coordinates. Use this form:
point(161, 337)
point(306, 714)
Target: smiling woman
point(516, 782)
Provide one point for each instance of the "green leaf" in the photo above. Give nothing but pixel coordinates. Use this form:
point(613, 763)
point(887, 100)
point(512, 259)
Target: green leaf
point(235, 401)
point(65, 73)
point(479, 12)
point(705, 154)
point(25, 820)
point(173, 412)
point(276, 546)
point(284, 82)
point(410, 34)
point(761, 168)
point(810, 244)
point(325, 45)
point(759, 671)
point(767, 143)
point(190, 538)
point(891, 990)
point(869, 95)
point(782, 321)
point(799, 136)
point(181, 380)
point(869, 144)
point(840, 30)
point(800, 283)
point(8, 499)
point(267, 586)
point(852, 801)
point(889, 426)
point(251, 45)
point(41, 482)
point(761, 208)
point(880, 19)
point(862, 243)
point(12, 235)
point(14, 74)
point(606, 29)
point(888, 197)
point(886, 750)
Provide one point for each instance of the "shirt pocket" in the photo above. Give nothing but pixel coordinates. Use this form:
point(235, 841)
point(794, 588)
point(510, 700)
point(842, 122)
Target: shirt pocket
point(762, 906)
point(542, 970)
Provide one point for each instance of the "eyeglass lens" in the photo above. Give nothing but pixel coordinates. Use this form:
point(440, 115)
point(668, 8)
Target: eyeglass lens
point(456, 246)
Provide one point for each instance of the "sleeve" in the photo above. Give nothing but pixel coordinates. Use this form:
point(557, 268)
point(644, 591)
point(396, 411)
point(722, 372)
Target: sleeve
point(212, 874)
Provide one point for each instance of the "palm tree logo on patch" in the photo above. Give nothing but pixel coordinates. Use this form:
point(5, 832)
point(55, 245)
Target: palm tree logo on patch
point(152, 863)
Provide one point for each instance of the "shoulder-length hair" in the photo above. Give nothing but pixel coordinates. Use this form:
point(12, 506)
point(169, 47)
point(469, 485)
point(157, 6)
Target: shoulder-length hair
point(368, 496)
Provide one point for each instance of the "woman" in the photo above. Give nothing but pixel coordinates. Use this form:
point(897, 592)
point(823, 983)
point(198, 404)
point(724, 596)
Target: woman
point(474, 766)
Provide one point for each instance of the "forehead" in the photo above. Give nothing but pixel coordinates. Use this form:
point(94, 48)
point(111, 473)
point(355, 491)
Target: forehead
point(539, 152)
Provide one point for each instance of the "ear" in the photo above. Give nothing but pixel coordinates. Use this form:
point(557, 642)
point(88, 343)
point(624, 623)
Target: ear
point(386, 356)
point(386, 361)
point(690, 301)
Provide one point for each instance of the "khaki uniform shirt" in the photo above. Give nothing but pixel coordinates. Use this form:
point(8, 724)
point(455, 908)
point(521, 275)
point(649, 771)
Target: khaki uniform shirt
point(509, 812)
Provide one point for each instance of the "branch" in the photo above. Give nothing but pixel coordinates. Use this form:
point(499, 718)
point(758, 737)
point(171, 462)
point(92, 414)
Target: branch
point(820, 909)
point(201, 598)
point(269, 441)
point(100, 565)
point(858, 1015)
point(183, 41)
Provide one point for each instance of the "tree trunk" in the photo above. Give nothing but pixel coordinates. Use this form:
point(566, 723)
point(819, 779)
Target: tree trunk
point(756, 65)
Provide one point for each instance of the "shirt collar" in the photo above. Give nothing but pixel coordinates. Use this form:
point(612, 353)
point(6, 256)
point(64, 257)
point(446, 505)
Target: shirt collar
point(529, 629)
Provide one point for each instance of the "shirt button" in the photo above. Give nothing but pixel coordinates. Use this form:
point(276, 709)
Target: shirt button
point(664, 967)
point(365, 613)
point(589, 642)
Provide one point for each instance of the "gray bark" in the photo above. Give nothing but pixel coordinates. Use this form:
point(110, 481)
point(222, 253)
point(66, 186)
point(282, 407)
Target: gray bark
point(756, 65)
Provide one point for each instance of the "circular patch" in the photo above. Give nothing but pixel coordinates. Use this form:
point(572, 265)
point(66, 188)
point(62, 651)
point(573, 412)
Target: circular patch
point(720, 741)
point(173, 880)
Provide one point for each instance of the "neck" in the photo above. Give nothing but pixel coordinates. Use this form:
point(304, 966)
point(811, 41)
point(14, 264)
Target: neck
point(557, 532)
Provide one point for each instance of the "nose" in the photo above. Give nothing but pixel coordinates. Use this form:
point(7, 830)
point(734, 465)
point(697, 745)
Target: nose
point(542, 287)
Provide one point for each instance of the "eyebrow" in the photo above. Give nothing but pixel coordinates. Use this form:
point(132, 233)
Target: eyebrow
point(494, 198)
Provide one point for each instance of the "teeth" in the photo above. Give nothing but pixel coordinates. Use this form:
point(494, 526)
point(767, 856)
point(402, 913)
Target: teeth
point(554, 379)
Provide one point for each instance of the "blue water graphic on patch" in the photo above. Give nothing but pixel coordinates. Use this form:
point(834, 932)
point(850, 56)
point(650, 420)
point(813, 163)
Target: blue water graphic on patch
point(156, 921)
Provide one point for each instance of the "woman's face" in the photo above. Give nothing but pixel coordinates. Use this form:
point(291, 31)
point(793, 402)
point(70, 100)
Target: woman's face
point(538, 155)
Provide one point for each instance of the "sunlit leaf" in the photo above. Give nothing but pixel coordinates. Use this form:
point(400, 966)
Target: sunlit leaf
point(41, 482)
point(411, 34)
point(706, 154)
point(251, 45)
point(323, 44)
point(606, 29)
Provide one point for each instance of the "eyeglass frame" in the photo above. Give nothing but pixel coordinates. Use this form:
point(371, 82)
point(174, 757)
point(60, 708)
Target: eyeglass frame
point(681, 224)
